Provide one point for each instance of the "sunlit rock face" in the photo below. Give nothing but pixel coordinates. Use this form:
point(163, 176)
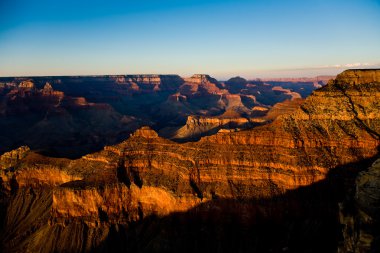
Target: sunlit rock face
point(11, 158)
point(140, 193)
point(26, 84)
point(195, 127)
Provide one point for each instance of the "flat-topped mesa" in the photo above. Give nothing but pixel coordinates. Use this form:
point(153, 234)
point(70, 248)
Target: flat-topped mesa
point(151, 79)
point(354, 94)
point(201, 79)
point(145, 132)
point(201, 84)
point(145, 79)
point(358, 77)
point(157, 82)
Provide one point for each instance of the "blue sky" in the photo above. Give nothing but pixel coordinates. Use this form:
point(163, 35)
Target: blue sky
point(265, 38)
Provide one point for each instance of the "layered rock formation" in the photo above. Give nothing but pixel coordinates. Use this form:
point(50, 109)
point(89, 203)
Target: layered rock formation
point(274, 90)
point(152, 82)
point(317, 81)
point(196, 127)
point(268, 183)
point(286, 107)
point(94, 111)
point(52, 122)
point(26, 84)
point(200, 83)
point(11, 158)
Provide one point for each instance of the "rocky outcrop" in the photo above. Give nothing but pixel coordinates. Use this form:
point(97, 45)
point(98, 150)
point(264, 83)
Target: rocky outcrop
point(201, 79)
point(48, 87)
point(292, 94)
point(28, 84)
point(145, 132)
point(273, 90)
point(177, 97)
point(196, 127)
point(236, 84)
point(11, 158)
point(359, 77)
point(201, 84)
point(118, 203)
point(238, 81)
point(283, 108)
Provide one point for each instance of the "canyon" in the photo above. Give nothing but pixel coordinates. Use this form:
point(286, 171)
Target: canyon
point(53, 114)
point(265, 170)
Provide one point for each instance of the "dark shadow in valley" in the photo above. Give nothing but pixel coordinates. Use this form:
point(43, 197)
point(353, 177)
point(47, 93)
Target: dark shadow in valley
point(301, 220)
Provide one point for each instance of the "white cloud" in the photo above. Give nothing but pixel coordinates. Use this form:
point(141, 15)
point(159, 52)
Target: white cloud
point(351, 65)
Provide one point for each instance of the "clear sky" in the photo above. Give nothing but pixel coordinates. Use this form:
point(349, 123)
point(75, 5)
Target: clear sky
point(224, 38)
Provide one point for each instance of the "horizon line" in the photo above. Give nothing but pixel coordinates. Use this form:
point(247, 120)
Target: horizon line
point(219, 79)
point(260, 74)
